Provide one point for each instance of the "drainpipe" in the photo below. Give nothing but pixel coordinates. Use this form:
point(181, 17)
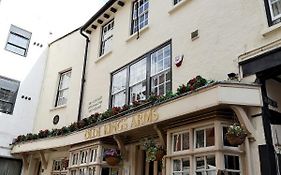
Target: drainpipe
point(83, 74)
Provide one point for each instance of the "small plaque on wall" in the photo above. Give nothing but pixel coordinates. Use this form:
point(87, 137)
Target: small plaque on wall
point(56, 119)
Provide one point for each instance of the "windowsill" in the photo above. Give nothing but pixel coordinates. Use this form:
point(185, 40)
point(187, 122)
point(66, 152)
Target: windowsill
point(58, 107)
point(177, 6)
point(103, 56)
point(135, 34)
point(271, 29)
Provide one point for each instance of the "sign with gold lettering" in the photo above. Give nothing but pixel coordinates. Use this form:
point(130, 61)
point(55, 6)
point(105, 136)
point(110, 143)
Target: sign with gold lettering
point(123, 124)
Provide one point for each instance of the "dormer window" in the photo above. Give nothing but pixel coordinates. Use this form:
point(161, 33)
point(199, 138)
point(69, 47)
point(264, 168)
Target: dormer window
point(106, 38)
point(140, 15)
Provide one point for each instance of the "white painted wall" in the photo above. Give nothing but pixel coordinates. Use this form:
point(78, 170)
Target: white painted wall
point(28, 70)
point(67, 53)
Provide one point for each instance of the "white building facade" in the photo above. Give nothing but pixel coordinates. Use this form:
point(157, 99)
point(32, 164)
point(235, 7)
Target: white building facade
point(23, 53)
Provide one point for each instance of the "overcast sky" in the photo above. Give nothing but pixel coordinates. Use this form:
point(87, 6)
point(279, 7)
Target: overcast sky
point(57, 16)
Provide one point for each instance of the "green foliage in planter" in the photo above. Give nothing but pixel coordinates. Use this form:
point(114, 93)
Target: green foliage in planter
point(43, 134)
point(191, 85)
point(236, 129)
point(151, 149)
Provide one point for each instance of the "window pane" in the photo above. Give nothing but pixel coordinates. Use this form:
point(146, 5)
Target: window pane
point(18, 41)
point(177, 142)
point(19, 31)
point(119, 100)
point(210, 137)
point(140, 15)
point(185, 165)
point(200, 163)
point(15, 49)
point(119, 81)
point(176, 165)
point(106, 38)
point(276, 8)
point(160, 60)
point(185, 141)
point(138, 92)
point(63, 88)
point(211, 162)
point(64, 82)
point(199, 138)
point(231, 162)
point(138, 72)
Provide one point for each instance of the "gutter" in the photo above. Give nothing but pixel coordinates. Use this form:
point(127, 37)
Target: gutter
point(83, 74)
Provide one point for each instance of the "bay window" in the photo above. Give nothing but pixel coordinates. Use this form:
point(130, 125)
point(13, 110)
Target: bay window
point(151, 74)
point(83, 161)
point(58, 168)
point(193, 149)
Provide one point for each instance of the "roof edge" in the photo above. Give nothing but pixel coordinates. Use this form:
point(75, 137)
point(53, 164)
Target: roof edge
point(98, 14)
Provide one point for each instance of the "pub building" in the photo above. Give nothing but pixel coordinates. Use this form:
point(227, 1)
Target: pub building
point(152, 88)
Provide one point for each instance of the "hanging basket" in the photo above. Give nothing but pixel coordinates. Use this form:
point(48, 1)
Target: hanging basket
point(159, 154)
point(111, 160)
point(235, 140)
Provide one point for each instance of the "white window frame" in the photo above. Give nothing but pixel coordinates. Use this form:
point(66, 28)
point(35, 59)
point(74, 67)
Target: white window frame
point(60, 171)
point(93, 153)
point(83, 157)
point(271, 10)
point(181, 162)
point(205, 143)
point(16, 34)
point(205, 163)
point(194, 152)
point(180, 133)
point(106, 37)
point(62, 100)
point(136, 18)
point(232, 170)
point(80, 164)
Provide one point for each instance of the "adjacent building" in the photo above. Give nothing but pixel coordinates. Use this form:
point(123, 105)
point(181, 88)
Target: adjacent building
point(23, 52)
point(132, 73)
